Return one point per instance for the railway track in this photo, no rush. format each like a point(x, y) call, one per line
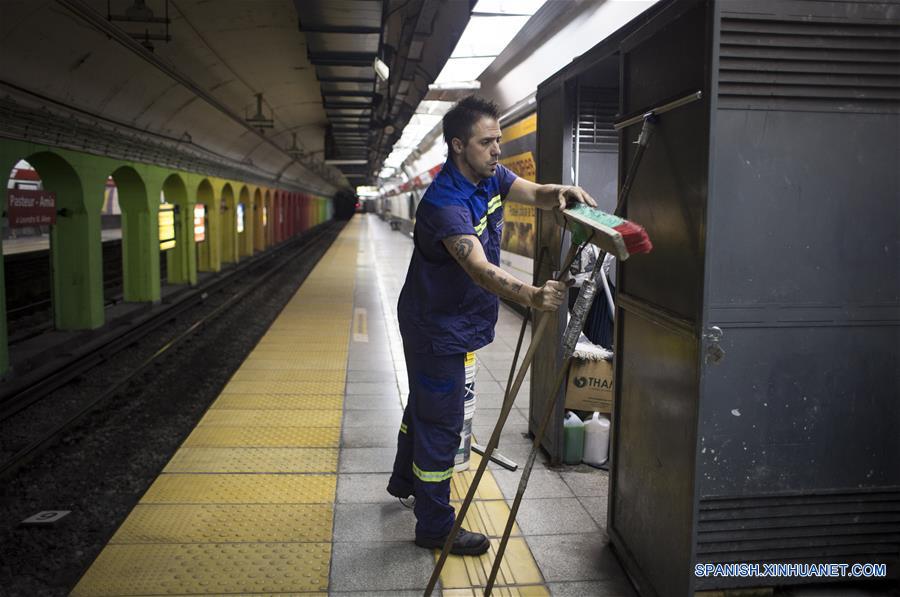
point(199, 307)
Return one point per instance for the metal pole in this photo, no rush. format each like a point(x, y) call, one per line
point(692, 97)
point(570, 338)
point(508, 400)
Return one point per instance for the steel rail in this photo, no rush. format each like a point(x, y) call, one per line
point(38, 445)
point(28, 392)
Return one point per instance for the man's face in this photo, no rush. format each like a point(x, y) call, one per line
point(482, 152)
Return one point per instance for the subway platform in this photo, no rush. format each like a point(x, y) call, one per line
point(281, 486)
point(29, 244)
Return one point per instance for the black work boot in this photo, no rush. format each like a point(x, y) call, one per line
point(465, 544)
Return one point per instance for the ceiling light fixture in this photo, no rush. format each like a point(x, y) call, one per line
point(294, 151)
point(381, 69)
point(141, 15)
point(259, 120)
point(455, 86)
point(346, 162)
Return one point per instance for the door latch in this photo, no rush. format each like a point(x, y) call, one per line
point(714, 352)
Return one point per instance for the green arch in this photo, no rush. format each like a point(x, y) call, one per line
point(140, 262)
point(181, 261)
point(259, 232)
point(245, 238)
point(75, 245)
point(208, 251)
point(228, 233)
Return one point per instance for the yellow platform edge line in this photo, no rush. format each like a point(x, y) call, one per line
point(519, 573)
point(179, 498)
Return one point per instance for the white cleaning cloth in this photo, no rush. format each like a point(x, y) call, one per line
point(587, 350)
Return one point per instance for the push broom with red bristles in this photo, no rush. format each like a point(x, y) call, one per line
point(613, 235)
point(617, 236)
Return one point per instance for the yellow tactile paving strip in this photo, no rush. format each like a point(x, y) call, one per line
point(246, 505)
point(241, 489)
point(264, 437)
point(463, 576)
point(207, 569)
point(284, 387)
point(278, 402)
point(229, 417)
point(226, 523)
point(253, 460)
point(336, 376)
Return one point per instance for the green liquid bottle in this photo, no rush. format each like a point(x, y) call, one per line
point(573, 439)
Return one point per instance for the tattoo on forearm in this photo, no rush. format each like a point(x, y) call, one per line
point(462, 248)
point(501, 283)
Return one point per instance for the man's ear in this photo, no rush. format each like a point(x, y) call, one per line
point(457, 145)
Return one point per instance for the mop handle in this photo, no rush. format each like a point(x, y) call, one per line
point(585, 298)
point(508, 401)
point(570, 338)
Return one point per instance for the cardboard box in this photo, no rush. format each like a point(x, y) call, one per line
point(590, 386)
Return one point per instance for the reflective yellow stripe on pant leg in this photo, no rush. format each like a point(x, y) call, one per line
point(432, 476)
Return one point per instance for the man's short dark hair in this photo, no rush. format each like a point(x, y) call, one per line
point(458, 122)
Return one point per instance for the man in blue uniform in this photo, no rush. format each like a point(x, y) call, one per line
point(449, 304)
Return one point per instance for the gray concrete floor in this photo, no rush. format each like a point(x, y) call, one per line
point(563, 515)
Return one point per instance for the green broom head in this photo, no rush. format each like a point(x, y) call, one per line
point(581, 232)
point(587, 220)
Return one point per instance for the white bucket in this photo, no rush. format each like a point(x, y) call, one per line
point(471, 368)
point(461, 461)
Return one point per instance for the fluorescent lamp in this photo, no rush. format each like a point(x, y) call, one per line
point(346, 162)
point(381, 69)
point(455, 86)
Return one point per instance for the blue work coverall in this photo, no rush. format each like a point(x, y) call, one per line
point(443, 315)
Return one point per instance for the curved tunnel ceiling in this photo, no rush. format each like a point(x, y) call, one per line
point(229, 49)
point(64, 61)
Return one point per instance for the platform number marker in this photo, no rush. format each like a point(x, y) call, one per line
point(360, 325)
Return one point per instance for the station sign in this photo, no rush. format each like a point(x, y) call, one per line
point(30, 208)
point(240, 218)
point(166, 226)
point(199, 223)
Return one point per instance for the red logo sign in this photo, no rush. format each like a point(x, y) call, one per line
point(30, 208)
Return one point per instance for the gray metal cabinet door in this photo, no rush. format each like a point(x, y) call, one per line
point(659, 306)
point(554, 164)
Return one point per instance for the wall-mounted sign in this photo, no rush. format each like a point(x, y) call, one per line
point(199, 223)
point(30, 208)
point(240, 217)
point(166, 226)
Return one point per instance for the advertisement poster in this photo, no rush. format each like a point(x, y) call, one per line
point(166, 227)
point(519, 220)
point(199, 223)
